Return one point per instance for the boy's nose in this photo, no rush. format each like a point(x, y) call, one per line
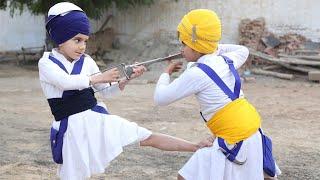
point(82, 47)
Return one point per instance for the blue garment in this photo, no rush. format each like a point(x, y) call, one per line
point(268, 160)
point(62, 28)
point(56, 136)
point(269, 165)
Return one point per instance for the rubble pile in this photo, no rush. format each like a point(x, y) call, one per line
point(291, 42)
point(286, 56)
point(250, 32)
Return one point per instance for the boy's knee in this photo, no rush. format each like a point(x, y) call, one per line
point(148, 141)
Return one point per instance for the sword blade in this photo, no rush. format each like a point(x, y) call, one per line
point(170, 57)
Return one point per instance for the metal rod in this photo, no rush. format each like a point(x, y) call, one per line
point(173, 56)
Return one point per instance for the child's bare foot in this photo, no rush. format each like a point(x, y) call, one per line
point(208, 142)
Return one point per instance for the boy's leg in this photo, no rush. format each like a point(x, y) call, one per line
point(169, 143)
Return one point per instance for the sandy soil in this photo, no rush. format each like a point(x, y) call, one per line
point(290, 111)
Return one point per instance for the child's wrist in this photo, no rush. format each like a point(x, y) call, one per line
point(92, 80)
point(95, 79)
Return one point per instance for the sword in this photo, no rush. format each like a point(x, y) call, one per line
point(128, 69)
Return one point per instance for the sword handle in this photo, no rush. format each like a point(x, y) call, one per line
point(128, 71)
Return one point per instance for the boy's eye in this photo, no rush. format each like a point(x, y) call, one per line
point(79, 40)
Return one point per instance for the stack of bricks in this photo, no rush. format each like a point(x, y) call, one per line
point(291, 42)
point(251, 31)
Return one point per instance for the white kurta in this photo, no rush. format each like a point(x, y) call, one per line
point(210, 163)
point(92, 139)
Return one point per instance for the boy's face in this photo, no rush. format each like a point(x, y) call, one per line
point(189, 54)
point(75, 47)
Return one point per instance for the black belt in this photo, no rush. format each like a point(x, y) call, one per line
point(79, 101)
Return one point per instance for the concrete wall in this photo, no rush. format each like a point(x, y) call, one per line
point(25, 30)
point(21, 30)
point(282, 16)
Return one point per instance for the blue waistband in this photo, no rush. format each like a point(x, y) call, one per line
point(77, 102)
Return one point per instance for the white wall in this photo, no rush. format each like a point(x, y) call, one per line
point(21, 30)
point(25, 30)
point(282, 16)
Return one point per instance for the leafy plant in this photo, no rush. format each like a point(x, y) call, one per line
point(93, 8)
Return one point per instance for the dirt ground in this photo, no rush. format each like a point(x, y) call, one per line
point(290, 111)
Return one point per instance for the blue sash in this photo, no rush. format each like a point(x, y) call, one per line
point(56, 136)
point(268, 160)
point(269, 166)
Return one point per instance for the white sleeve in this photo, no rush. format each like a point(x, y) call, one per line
point(52, 74)
point(186, 84)
point(107, 90)
point(237, 53)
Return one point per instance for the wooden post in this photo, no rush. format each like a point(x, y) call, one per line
point(314, 76)
point(271, 73)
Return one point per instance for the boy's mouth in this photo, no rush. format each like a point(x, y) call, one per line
point(79, 54)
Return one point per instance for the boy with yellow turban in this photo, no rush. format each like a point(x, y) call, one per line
point(240, 150)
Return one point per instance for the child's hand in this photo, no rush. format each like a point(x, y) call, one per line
point(123, 83)
point(138, 71)
point(111, 75)
point(208, 142)
point(173, 67)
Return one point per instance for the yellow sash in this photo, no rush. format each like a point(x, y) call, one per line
point(237, 121)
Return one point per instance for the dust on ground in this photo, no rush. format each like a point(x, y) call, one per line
point(290, 111)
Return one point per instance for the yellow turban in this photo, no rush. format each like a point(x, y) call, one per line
point(200, 29)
